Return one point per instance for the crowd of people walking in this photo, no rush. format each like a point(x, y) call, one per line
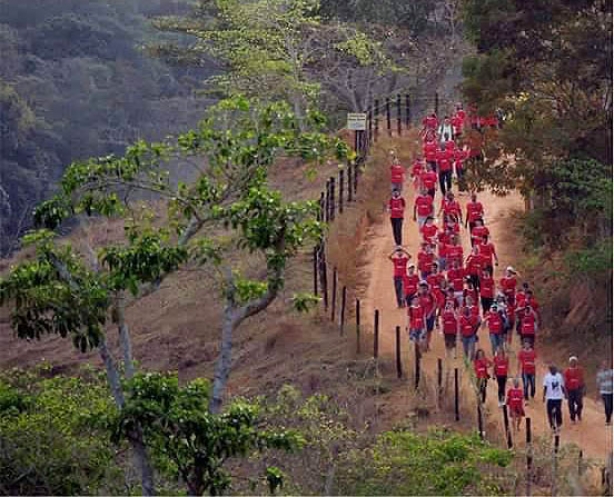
point(456, 294)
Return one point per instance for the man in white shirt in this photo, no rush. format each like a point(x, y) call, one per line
point(554, 393)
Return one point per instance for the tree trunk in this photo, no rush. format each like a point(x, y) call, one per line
point(124, 338)
point(222, 367)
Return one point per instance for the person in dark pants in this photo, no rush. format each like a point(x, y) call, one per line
point(399, 257)
point(605, 378)
point(501, 365)
point(480, 365)
point(526, 364)
point(396, 207)
point(554, 393)
point(574, 384)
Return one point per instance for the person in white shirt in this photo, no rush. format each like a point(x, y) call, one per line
point(554, 393)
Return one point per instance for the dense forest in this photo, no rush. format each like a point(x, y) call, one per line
point(75, 82)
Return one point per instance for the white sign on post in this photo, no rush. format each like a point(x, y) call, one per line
point(357, 121)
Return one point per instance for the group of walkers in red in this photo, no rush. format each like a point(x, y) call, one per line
point(443, 288)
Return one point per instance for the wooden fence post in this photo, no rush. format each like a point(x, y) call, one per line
point(324, 277)
point(529, 458)
point(356, 173)
point(315, 270)
point(342, 313)
point(334, 296)
point(580, 465)
point(341, 189)
point(456, 410)
point(350, 181)
point(506, 424)
point(399, 116)
point(407, 111)
point(332, 198)
point(437, 103)
point(399, 363)
point(439, 379)
point(376, 334)
point(370, 125)
point(480, 420)
point(388, 123)
point(418, 355)
point(327, 202)
point(357, 326)
point(376, 116)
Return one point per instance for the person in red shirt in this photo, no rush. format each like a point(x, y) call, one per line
point(528, 324)
point(474, 266)
point(399, 257)
point(450, 323)
point(410, 284)
point(456, 279)
point(471, 297)
point(508, 284)
point(423, 207)
point(488, 252)
point(416, 321)
point(396, 207)
point(500, 368)
point(457, 126)
point(429, 179)
point(468, 326)
point(429, 303)
point(430, 122)
point(532, 301)
point(451, 208)
point(444, 163)
point(494, 321)
point(481, 363)
point(515, 404)
point(526, 365)
point(460, 156)
point(443, 240)
point(397, 174)
point(574, 384)
point(429, 150)
point(416, 171)
point(426, 257)
point(454, 251)
point(429, 231)
point(487, 289)
point(475, 211)
point(479, 231)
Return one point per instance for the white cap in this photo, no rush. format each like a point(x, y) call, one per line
point(510, 268)
point(573, 358)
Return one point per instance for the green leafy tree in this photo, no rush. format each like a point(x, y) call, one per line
point(179, 428)
point(228, 207)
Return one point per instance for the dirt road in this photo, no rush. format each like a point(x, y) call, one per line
point(591, 434)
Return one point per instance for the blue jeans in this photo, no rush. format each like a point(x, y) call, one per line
point(528, 380)
point(469, 346)
point(496, 341)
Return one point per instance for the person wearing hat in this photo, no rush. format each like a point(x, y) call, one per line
point(574, 384)
point(399, 258)
point(508, 283)
point(554, 393)
point(396, 208)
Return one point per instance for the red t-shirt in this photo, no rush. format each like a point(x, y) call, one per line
point(428, 303)
point(494, 322)
point(410, 284)
point(416, 315)
point(435, 280)
point(429, 179)
point(443, 160)
point(508, 285)
point(501, 365)
point(515, 399)
point(424, 205)
point(429, 150)
point(450, 146)
point(461, 114)
point(456, 277)
point(450, 322)
point(468, 325)
point(425, 261)
point(474, 265)
point(454, 253)
point(574, 378)
point(487, 287)
point(397, 173)
point(527, 325)
point(400, 264)
point(430, 122)
point(527, 361)
point(521, 298)
point(417, 169)
point(475, 210)
point(459, 159)
point(457, 123)
point(481, 367)
point(478, 232)
point(429, 233)
point(397, 207)
point(487, 250)
point(450, 207)
point(474, 310)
